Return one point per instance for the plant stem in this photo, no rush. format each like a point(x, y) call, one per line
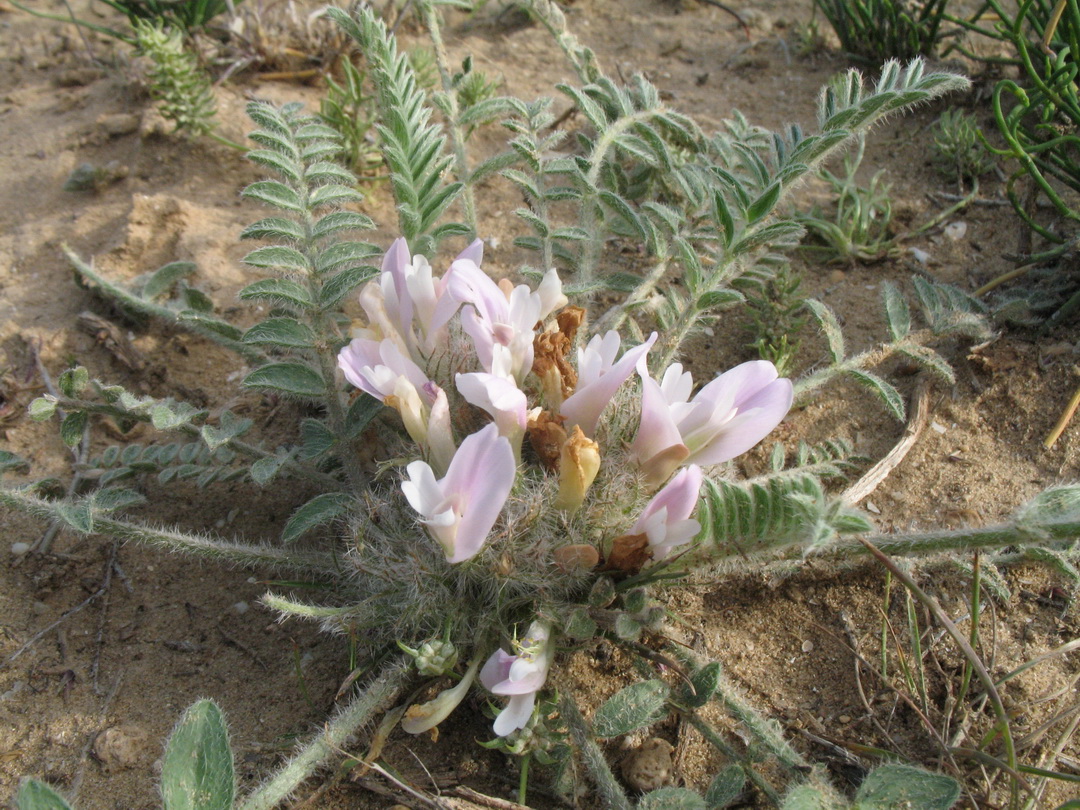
point(457, 137)
point(721, 745)
point(310, 563)
point(523, 781)
point(374, 699)
point(226, 141)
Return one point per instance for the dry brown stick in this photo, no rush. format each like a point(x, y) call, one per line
point(872, 478)
point(484, 800)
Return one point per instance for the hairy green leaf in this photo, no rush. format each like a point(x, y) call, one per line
point(35, 795)
point(293, 379)
point(637, 706)
point(162, 280)
point(319, 511)
point(197, 771)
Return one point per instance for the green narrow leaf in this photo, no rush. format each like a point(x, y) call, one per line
point(830, 327)
point(197, 770)
point(163, 279)
point(285, 332)
point(169, 415)
point(278, 291)
point(78, 515)
point(316, 438)
point(319, 511)
point(705, 681)
point(35, 795)
point(634, 707)
point(71, 429)
point(763, 205)
point(363, 409)
point(112, 499)
point(229, 427)
point(885, 391)
point(897, 787)
point(293, 379)
point(278, 257)
point(896, 311)
point(72, 381)
point(42, 409)
point(726, 787)
point(344, 282)
point(929, 360)
point(9, 461)
point(277, 195)
point(671, 798)
point(340, 221)
point(284, 230)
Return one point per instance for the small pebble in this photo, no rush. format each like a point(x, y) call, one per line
point(921, 256)
point(40, 608)
point(844, 718)
point(956, 230)
point(119, 124)
point(241, 608)
point(649, 767)
point(121, 747)
point(18, 549)
point(937, 427)
point(872, 507)
point(807, 646)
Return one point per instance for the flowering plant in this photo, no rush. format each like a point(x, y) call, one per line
point(542, 465)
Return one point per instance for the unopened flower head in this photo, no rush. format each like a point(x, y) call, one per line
point(666, 520)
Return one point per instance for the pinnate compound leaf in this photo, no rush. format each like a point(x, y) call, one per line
point(35, 795)
point(885, 391)
point(637, 706)
point(671, 798)
point(197, 771)
point(319, 511)
point(71, 429)
point(293, 379)
point(725, 788)
point(163, 279)
point(896, 787)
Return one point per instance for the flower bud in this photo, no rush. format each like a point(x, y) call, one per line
point(578, 465)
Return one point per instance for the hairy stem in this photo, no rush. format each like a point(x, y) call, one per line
point(379, 694)
point(457, 137)
point(309, 563)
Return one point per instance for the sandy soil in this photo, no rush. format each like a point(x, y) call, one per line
point(90, 686)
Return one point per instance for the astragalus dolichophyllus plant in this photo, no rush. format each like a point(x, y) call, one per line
point(544, 468)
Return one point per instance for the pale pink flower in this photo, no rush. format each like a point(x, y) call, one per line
point(723, 420)
point(403, 303)
point(498, 315)
point(666, 520)
point(519, 676)
point(460, 509)
point(501, 399)
point(599, 377)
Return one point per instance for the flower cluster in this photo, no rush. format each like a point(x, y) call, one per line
point(431, 346)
